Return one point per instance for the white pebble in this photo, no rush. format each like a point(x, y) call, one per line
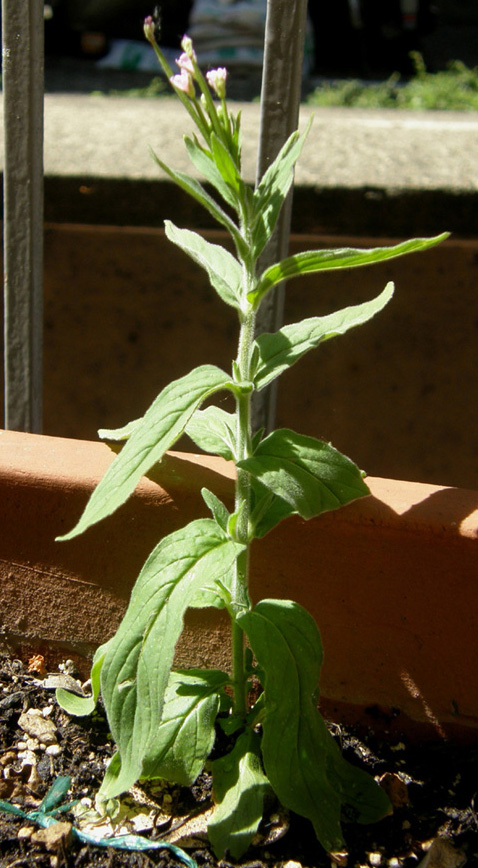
point(53, 750)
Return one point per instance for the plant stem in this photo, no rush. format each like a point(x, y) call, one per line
point(240, 589)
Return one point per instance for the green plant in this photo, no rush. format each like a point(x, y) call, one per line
point(452, 89)
point(164, 720)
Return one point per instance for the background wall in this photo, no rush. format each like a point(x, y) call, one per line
point(125, 313)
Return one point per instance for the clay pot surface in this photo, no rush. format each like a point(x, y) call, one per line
point(391, 579)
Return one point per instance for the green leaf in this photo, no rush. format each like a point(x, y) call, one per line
point(311, 261)
point(204, 163)
point(228, 169)
point(214, 430)
point(138, 660)
point(194, 189)
point(267, 509)
point(301, 759)
point(239, 787)
point(310, 475)
point(279, 351)
point(272, 190)
point(219, 511)
point(79, 706)
point(224, 271)
point(185, 736)
point(118, 435)
point(159, 428)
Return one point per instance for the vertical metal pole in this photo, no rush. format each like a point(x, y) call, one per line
point(280, 103)
point(23, 86)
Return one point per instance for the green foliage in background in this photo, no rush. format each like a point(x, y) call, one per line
point(453, 89)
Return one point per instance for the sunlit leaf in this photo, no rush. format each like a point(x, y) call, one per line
point(239, 787)
point(138, 661)
point(214, 430)
point(197, 191)
point(185, 736)
point(279, 351)
point(308, 474)
point(204, 163)
point(223, 270)
point(312, 261)
point(302, 761)
point(159, 428)
point(79, 706)
point(273, 188)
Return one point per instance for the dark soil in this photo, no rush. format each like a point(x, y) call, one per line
point(434, 787)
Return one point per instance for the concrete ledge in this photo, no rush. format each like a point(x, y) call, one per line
point(390, 579)
point(380, 172)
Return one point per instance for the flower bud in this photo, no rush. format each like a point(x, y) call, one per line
point(187, 46)
point(183, 82)
point(216, 79)
point(185, 63)
point(149, 28)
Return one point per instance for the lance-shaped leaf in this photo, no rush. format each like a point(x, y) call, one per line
point(308, 474)
point(138, 660)
point(301, 759)
point(272, 190)
point(219, 511)
point(239, 788)
point(197, 191)
point(214, 430)
point(186, 733)
point(79, 706)
point(159, 428)
point(204, 163)
point(223, 270)
point(279, 351)
point(312, 261)
point(228, 168)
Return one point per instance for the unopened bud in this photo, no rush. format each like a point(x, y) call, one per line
point(187, 46)
point(185, 63)
point(149, 28)
point(216, 79)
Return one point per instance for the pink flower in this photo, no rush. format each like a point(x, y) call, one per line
point(216, 79)
point(185, 63)
point(183, 82)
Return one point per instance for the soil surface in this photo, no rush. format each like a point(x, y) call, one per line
point(434, 788)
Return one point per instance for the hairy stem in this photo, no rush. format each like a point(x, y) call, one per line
point(240, 592)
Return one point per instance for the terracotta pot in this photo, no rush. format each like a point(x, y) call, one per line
point(391, 579)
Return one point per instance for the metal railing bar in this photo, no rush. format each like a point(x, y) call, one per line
point(280, 103)
point(23, 87)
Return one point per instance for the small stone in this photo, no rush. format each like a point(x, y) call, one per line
point(36, 726)
point(340, 858)
point(8, 758)
point(27, 758)
point(25, 833)
point(395, 788)
point(53, 750)
point(442, 854)
point(54, 837)
point(375, 858)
